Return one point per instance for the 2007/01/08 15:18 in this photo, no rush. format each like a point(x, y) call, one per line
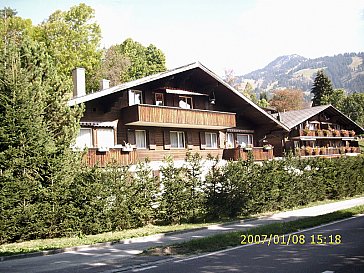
point(295, 239)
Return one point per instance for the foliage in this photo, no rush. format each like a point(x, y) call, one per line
point(193, 169)
point(322, 89)
point(114, 66)
point(174, 198)
point(353, 107)
point(144, 61)
point(37, 129)
point(73, 38)
point(116, 198)
point(287, 100)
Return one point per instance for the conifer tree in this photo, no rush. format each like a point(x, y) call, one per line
point(322, 89)
point(36, 131)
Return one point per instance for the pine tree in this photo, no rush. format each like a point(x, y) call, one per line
point(322, 89)
point(36, 131)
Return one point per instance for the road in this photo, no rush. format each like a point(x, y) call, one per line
point(346, 256)
point(124, 256)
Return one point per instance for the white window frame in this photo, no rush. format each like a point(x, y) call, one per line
point(159, 102)
point(108, 144)
point(132, 97)
point(181, 140)
point(144, 140)
point(184, 100)
point(209, 137)
point(230, 140)
point(89, 145)
point(250, 139)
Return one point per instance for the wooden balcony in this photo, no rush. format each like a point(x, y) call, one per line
point(117, 156)
point(164, 116)
point(324, 133)
point(259, 154)
point(327, 151)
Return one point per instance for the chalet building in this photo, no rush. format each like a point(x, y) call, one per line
point(316, 131)
point(186, 109)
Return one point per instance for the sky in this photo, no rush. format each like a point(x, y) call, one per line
point(238, 35)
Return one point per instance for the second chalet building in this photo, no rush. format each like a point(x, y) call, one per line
point(186, 109)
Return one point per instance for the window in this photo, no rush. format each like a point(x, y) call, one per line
point(135, 97)
point(140, 139)
point(244, 140)
point(211, 140)
point(105, 137)
point(230, 140)
point(185, 102)
point(84, 138)
point(159, 99)
point(177, 139)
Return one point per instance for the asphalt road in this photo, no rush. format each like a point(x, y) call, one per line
point(122, 257)
point(347, 255)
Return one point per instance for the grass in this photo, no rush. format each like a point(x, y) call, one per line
point(59, 243)
point(231, 239)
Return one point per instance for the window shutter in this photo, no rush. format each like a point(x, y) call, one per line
point(151, 139)
point(222, 140)
point(166, 140)
point(202, 141)
point(131, 136)
point(189, 140)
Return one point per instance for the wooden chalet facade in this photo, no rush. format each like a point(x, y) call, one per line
point(317, 131)
point(186, 109)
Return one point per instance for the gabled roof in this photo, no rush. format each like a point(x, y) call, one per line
point(295, 117)
point(196, 65)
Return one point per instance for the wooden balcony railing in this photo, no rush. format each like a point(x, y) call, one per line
point(93, 157)
point(152, 115)
point(259, 154)
point(326, 151)
point(325, 133)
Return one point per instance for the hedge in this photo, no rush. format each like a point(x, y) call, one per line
point(113, 198)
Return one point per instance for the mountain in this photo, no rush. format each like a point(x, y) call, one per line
point(346, 71)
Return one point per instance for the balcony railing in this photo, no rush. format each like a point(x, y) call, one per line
point(326, 151)
point(258, 153)
point(326, 133)
point(152, 115)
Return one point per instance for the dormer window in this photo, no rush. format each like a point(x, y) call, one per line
point(185, 102)
point(135, 97)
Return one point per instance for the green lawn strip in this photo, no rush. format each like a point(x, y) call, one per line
point(231, 239)
point(59, 243)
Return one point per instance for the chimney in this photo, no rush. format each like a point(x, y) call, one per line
point(79, 83)
point(104, 84)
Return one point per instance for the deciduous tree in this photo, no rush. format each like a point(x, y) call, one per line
point(287, 99)
point(73, 39)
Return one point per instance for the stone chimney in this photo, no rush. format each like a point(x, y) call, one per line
point(104, 84)
point(79, 82)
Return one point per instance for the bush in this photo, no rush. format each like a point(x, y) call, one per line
point(114, 198)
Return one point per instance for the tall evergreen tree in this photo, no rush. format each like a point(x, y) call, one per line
point(322, 89)
point(36, 131)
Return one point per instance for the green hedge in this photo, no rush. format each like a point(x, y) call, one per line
point(113, 198)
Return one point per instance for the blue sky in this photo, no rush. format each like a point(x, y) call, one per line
point(230, 34)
